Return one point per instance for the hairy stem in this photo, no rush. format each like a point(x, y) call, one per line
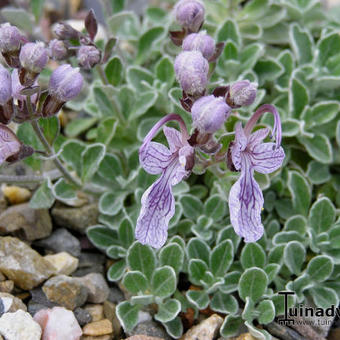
point(53, 174)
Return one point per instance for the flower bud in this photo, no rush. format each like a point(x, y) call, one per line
point(209, 113)
point(190, 14)
point(192, 72)
point(10, 43)
point(5, 85)
point(242, 93)
point(65, 31)
point(200, 42)
point(65, 84)
point(33, 57)
point(57, 49)
point(6, 103)
point(88, 56)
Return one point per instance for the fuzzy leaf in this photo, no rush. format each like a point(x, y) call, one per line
point(163, 281)
point(168, 310)
point(324, 297)
point(294, 256)
point(221, 258)
point(321, 215)
point(300, 191)
point(253, 284)
point(198, 249)
point(127, 315)
point(135, 282)
point(224, 303)
point(91, 158)
point(320, 268)
point(253, 256)
point(199, 298)
point(173, 256)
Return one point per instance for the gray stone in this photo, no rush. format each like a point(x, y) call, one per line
point(39, 301)
point(15, 303)
point(116, 295)
point(23, 265)
point(98, 290)
point(87, 260)
point(75, 218)
point(26, 223)
point(66, 291)
point(83, 316)
point(61, 240)
point(150, 328)
point(84, 271)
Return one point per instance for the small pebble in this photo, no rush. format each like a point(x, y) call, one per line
point(19, 325)
point(98, 290)
point(66, 291)
point(58, 323)
point(63, 262)
point(16, 195)
point(101, 337)
point(15, 305)
point(83, 316)
point(110, 313)
point(143, 337)
point(97, 328)
point(96, 312)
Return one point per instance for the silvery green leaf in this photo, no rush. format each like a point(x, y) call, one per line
point(231, 325)
point(127, 315)
point(320, 268)
point(249, 55)
point(142, 258)
point(253, 284)
point(302, 43)
point(101, 236)
point(135, 282)
point(298, 97)
point(221, 258)
point(272, 269)
point(90, 160)
point(318, 147)
point(228, 233)
point(116, 271)
point(318, 173)
point(290, 127)
point(321, 215)
point(229, 31)
point(324, 297)
point(71, 154)
point(139, 78)
point(294, 256)
point(199, 298)
point(163, 282)
point(230, 282)
point(114, 71)
point(111, 203)
point(328, 46)
point(172, 255)
point(296, 223)
point(124, 25)
point(268, 70)
point(174, 327)
point(197, 269)
point(43, 197)
point(259, 334)
point(165, 71)
point(300, 191)
point(198, 249)
point(126, 232)
point(224, 303)
point(215, 207)
point(286, 236)
point(144, 300)
point(168, 310)
point(116, 252)
point(192, 206)
point(276, 254)
point(252, 255)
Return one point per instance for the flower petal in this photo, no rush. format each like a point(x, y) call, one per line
point(266, 158)
point(238, 146)
point(9, 143)
point(245, 205)
point(154, 157)
point(174, 138)
point(257, 137)
point(158, 206)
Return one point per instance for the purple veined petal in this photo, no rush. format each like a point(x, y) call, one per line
point(245, 204)
point(238, 146)
point(154, 157)
point(158, 207)
point(257, 137)
point(266, 158)
point(174, 138)
point(186, 163)
point(9, 143)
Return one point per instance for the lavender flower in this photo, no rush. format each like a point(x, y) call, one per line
point(242, 93)
point(6, 102)
point(249, 154)
point(201, 42)
point(209, 113)
point(33, 57)
point(5, 85)
point(175, 163)
point(17, 88)
point(192, 72)
point(190, 14)
point(10, 44)
point(88, 56)
point(57, 49)
point(65, 84)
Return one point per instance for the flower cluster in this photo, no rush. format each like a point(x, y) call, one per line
point(247, 153)
point(21, 98)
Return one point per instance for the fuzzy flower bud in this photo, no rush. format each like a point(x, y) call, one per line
point(57, 49)
point(5, 85)
point(88, 56)
point(192, 72)
point(65, 84)
point(242, 93)
point(65, 31)
point(33, 57)
point(209, 113)
point(17, 88)
point(10, 38)
point(200, 42)
point(190, 14)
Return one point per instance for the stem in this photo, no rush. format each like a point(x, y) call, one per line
point(50, 152)
point(53, 174)
point(102, 74)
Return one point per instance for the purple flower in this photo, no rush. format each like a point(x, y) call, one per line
point(192, 72)
point(88, 56)
point(57, 49)
point(173, 163)
point(5, 85)
point(249, 154)
point(17, 87)
point(209, 113)
point(190, 14)
point(242, 93)
point(33, 57)
point(200, 42)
